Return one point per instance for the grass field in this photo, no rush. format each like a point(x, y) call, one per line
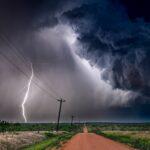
point(54, 141)
point(17, 140)
point(13, 127)
point(10, 127)
point(131, 138)
point(34, 136)
point(120, 126)
point(42, 136)
point(135, 135)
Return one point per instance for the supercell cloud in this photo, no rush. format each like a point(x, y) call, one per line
point(95, 54)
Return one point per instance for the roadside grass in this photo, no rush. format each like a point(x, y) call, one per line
point(136, 142)
point(120, 126)
point(51, 142)
point(55, 140)
point(31, 136)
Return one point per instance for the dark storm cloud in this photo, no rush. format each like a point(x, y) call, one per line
point(21, 43)
point(114, 34)
point(29, 13)
point(30, 33)
point(21, 15)
point(105, 29)
point(136, 8)
point(40, 31)
point(21, 19)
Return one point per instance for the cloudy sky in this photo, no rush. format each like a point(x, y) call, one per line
point(93, 53)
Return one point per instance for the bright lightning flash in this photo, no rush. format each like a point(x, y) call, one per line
point(27, 94)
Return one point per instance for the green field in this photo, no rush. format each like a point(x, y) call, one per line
point(134, 135)
point(52, 141)
point(35, 136)
point(10, 127)
point(120, 126)
point(55, 140)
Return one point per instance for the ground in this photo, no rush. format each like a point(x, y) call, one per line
point(91, 141)
point(136, 134)
point(19, 139)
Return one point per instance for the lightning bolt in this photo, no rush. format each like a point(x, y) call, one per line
point(27, 94)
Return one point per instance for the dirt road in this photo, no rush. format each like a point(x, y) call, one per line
point(91, 141)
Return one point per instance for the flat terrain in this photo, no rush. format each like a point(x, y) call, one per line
point(91, 141)
point(136, 134)
point(17, 136)
point(19, 139)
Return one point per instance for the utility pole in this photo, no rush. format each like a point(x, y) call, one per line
point(59, 112)
point(72, 117)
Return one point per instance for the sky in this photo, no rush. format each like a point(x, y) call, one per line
point(92, 53)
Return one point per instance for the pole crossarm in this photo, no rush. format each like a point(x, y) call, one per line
point(61, 100)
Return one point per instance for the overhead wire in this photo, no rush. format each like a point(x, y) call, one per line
point(26, 75)
point(4, 38)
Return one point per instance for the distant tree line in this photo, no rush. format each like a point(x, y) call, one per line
point(11, 127)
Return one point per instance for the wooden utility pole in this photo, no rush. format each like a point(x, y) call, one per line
point(72, 117)
point(59, 112)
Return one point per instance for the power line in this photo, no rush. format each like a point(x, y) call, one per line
point(16, 51)
point(12, 63)
point(11, 44)
point(51, 89)
point(3, 37)
point(21, 54)
point(24, 60)
point(26, 75)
